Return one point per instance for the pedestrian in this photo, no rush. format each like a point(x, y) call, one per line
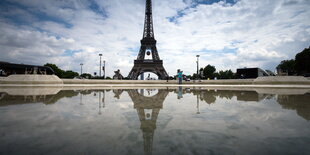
point(180, 76)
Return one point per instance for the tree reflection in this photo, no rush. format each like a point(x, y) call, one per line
point(209, 96)
point(294, 102)
point(300, 103)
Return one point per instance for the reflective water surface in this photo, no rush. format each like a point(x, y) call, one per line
point(154, 121)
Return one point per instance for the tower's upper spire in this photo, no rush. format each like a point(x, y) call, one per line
point(148, 23)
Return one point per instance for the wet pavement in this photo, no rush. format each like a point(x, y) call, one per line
point(175, 120)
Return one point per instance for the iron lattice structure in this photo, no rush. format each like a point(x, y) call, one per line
point(148, 46)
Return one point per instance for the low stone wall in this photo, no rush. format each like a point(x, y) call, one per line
point(31, 79)
point(54, 80)
point(86, 81)
point(280, 80)
point(48, 90)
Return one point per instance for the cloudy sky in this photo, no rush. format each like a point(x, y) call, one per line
point(226, 33)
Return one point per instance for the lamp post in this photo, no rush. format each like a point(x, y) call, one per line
point(81, 68)
point(104, 69)
point(100, 65)
point(197, 66)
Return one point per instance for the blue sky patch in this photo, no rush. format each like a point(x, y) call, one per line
point(174, 18)
point(69, 52)
point(8, 8)
point(210, 2)
point(229, 50)
point(223, 51)
point(96, 8)
point(195, 3)
point(44, 17)
point(236, 42)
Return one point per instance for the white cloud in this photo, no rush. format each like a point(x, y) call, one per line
point(262, 33)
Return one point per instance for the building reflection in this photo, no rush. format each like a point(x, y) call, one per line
point(148, 108)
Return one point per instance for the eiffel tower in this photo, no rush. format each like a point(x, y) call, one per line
point(148, 47)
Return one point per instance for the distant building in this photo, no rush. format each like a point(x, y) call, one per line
point(251, 73)
point(7, 69)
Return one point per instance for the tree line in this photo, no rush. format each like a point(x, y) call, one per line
point(69, 74)
point(298, 66)
point(209, 72)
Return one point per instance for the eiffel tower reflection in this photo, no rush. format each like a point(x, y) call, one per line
point(148, 109)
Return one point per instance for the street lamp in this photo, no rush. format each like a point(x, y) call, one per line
point(81, 68)
point(100, 65)
point(104, 69)
point(197, 65)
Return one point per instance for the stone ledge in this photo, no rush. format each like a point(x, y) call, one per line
point(86, 81)
point(281, 80)
point(31, 79)
point(261, 89)
point(54, 80)
point(276, 80)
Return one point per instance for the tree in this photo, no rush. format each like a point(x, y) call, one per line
point(70, 74)
point(302, 62)
point(57, 70)
point(86, 75)
point(194, 76)
point(208, 71)
point(217, 75)
point(61, 73)
point(189, 76)
point(288, 66)
point(228, 74)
